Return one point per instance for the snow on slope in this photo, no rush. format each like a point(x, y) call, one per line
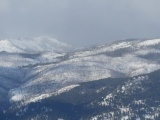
point(114, 60)
point(15, 60)
point(33, 45)
point(15, 54)
point(132, 44)
point(40, 96)
point(149, 42)
point(6, 45)
point(40, 44)
point(23, 52)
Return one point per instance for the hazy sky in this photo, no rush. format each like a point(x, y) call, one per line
point(80, 22)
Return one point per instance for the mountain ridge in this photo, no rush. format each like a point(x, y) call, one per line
point(33, 45)
point(27, 78)
point(99, 63)
point(110, 98)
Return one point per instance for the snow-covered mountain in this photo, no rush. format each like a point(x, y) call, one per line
point(33, 45)
point(36, 69)
point(130, 98)
point(15, 54)
point(119, 59)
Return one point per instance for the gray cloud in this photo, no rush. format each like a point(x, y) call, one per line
point(80, 22)
point(4, 6)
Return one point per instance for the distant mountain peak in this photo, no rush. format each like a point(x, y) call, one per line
point(33, 45)
point(6, 45)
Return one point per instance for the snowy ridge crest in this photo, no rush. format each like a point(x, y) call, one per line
point(33, 45)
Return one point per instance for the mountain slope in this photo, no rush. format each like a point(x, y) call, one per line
point(14, 54)
point(33, 45)
point(120, 59)
point(112, 98)
point(6, 45)
point(32, 72)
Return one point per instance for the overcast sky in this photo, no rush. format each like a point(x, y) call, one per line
point(80, 22)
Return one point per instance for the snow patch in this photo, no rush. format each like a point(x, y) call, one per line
point(66, 89)
point(17, 96)
point(149, 42)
